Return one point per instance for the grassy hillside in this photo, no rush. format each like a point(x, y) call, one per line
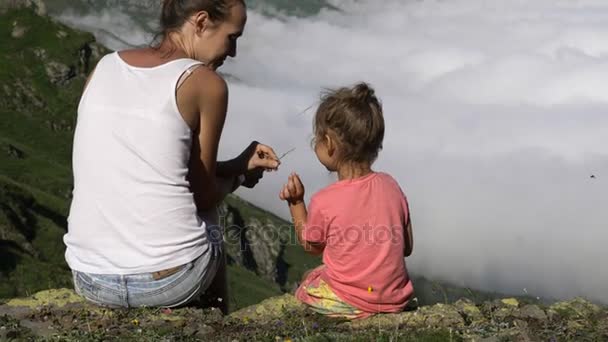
point(35, 142)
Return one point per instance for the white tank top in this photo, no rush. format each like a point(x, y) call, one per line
point(132, 209)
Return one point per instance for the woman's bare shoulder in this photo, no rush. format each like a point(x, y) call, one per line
point(206, 82)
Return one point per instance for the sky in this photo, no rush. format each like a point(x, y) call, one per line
point(496, 114)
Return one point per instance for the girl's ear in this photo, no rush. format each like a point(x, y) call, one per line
point(331, 145)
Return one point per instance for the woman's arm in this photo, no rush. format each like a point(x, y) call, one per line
point(212, 104)
point(231, 168)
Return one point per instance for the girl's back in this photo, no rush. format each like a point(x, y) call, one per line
point(362, 223)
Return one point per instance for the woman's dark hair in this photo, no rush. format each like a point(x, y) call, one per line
point(354, 116)
point(174, 13)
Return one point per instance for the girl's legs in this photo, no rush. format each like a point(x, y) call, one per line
point(319, 297)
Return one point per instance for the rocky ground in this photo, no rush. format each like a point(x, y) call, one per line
point(63, 315)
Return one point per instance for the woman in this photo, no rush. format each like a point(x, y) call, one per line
point(145, 170)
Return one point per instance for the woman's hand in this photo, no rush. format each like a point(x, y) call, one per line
point(293, 191)
point(260, 156)
point(253, 161)
point(253, 177)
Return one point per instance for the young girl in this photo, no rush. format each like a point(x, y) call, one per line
point(361, 223)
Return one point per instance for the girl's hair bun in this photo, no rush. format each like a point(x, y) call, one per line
point(354, 116)
point(363, 92)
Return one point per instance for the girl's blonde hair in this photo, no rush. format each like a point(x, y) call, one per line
point(353, 116)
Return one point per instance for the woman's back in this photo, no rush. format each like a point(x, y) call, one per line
point(131, 153)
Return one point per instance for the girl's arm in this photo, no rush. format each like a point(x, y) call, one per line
point(293, 193)
point(298, 215)
point(408, 237)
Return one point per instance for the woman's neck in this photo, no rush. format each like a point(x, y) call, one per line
point(173, 47)
point(353, 170)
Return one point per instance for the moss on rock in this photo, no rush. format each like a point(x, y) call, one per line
point(510, 302)
point(56, 298)
point(269, 309)
point(573, 309)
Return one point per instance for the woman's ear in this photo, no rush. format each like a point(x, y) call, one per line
point(201, 21)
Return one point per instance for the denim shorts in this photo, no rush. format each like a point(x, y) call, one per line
point(187, 284)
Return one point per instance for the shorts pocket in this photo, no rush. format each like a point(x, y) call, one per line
point(86, 286)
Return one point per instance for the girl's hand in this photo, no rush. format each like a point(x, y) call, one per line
point(293, 191)
point(261, 156)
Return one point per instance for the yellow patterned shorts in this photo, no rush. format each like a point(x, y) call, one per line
point(317, 294)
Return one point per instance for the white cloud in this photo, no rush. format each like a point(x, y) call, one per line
point(496, 115)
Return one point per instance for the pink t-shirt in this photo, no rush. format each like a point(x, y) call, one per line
point(362, 222)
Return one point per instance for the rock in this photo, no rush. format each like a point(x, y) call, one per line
point(436, 316)
point(251, 243)
point(577, 308)
point(59, 126)
point(532, 312)
point(18, 31)
point(14, 152)
point(574, 326)
point(52, 312)
point(510, 302)
point(42, 329)
point(37, 5)
point(97, 50)
point(21, 97)
point(386, 321)
point(40, 53)
point(469, 311)
point(213, 315)
point(501, 310)
point(57, 298)
point(442, 315)
point(264, 241)
point(59, 73)
point(200, 332)
point(25, 96)
point(44, 301)
point(61, 34)
point(269, 309)
point(511, 334)
point(518, 323)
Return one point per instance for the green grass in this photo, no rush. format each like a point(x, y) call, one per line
point(247, 288)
